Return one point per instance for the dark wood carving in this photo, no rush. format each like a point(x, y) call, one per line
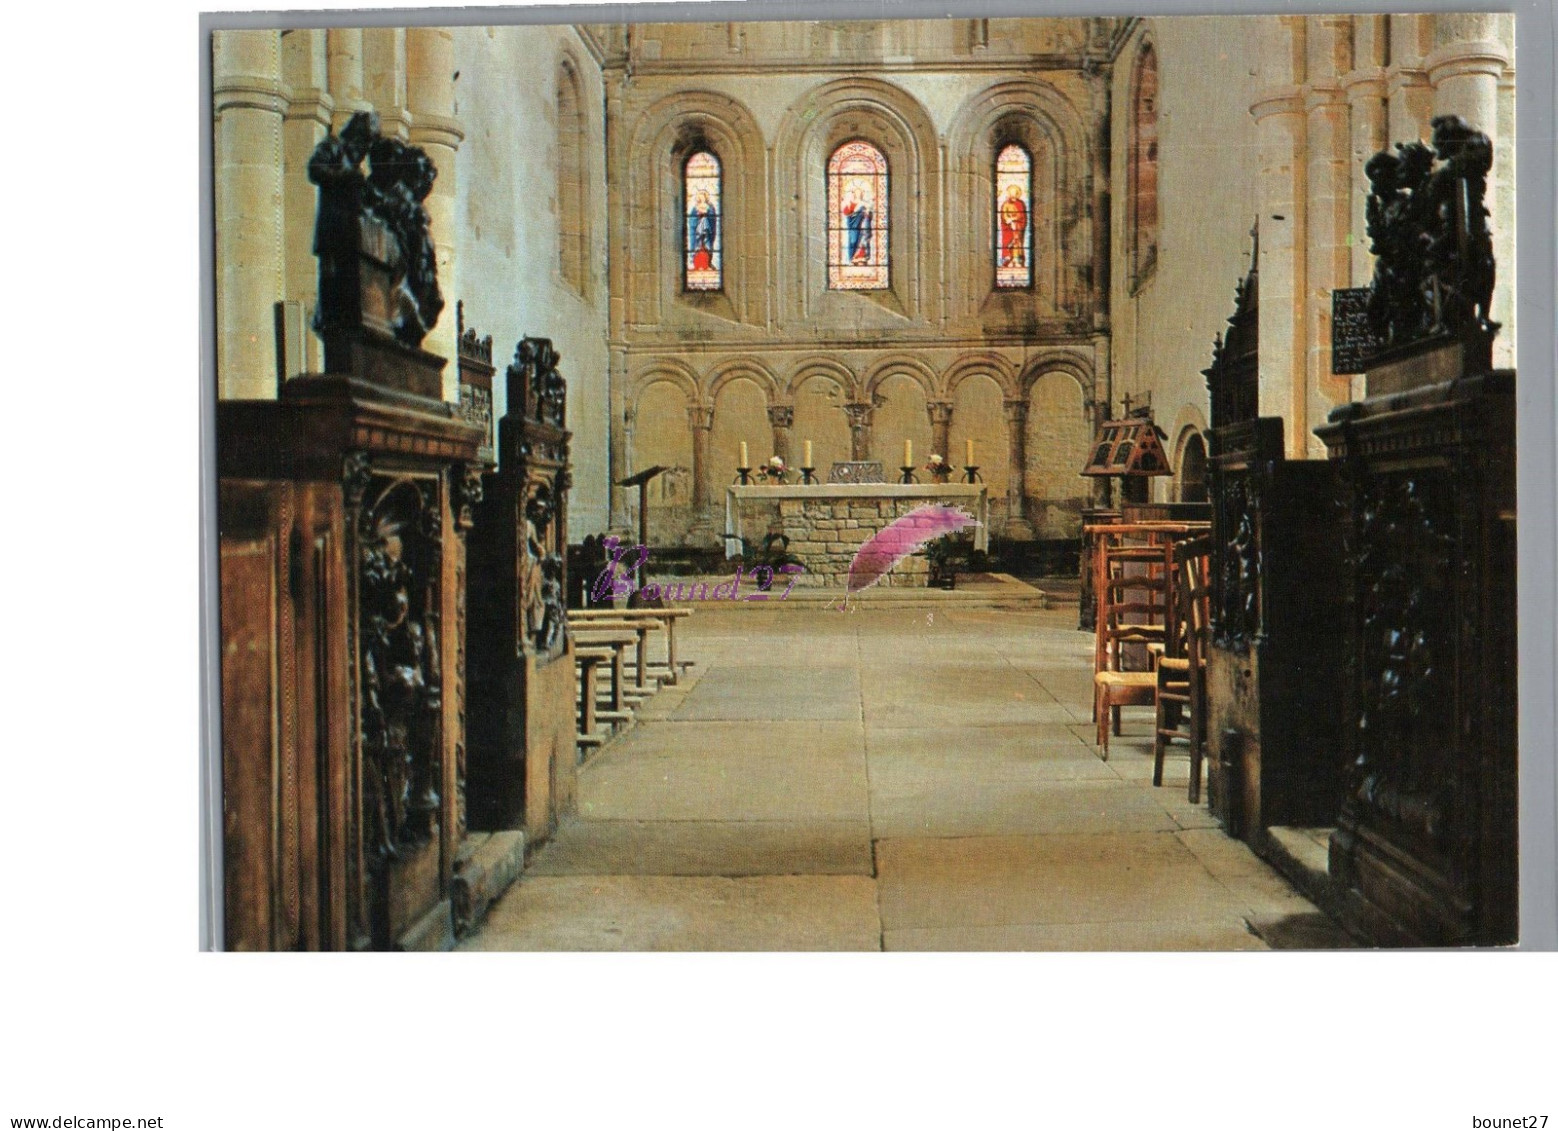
point(522, 723)
point(378, 279)
point(1433, 267)
point(1425, 848)
point(1275, 563)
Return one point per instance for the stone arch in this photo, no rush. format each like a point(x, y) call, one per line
point(1043, 121)
point(910, 366)
point(987, 364)
point(1189, 423)
point(1079, 369)
point(894, 121)
point(571, 200)
point(1058, 436)
point(660, 140)
point(739, 367)
point(666, 369)
point(850, 386)
point(1142, 116)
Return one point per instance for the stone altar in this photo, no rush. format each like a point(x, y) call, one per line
point(826, 523)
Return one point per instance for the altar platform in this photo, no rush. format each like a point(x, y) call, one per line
point(826, 523)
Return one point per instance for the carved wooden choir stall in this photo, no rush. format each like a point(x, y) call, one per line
point(1425, 850)
point(522, 752)
point(343, 507)
point(1275, 651)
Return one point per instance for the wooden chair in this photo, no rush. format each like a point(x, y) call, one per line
point(1181, 676)
point(1132, 589)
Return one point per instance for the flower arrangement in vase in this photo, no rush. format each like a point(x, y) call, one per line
point(939, 468)
point(775, 471)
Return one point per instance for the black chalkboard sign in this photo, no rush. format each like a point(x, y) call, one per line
point(1352, 338)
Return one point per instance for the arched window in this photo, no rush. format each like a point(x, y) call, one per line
point(704, 230)
point(572, 209)
point(857, 218)
point(1013, 218)
point(1142, 202)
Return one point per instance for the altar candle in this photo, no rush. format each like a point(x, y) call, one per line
point(744, 462)
point(807, 461)
point(969, 447)
point(908, 453)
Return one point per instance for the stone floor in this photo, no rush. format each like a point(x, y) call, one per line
point(890, 778)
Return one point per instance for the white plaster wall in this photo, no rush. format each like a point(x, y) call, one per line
point(509, 276)
point(1207, 200)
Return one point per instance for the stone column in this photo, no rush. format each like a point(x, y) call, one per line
point(617, 519)
point(1467, 70)
point(1280, 138)
point(1408, 95)
point(248, 103)
point(384, 78)
point(940, 413)
point(1328, 210)
point(1366, 109)
point(782, 418)
point(701, 418)
point(859, 414)
point(343, 49)
point(307, 121)
point(1016, 464)
point(430, 100)
point(1465, 67)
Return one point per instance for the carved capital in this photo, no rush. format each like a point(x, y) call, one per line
point(940, 412)
point(1016, 411)
point(701, 416)
point(859, 414)
point(781, 415)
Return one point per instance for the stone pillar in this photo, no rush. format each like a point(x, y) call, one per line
point(1280, 139)
point(384, 78)
point(1365, 87)
point(307, 121)
point(782, 418)
point(1465, 67)
point(940, 413)
point(1366, 109)
point(1328, 185)
point(1467, 70)
point(248, 103)
point(859, 414)
point(617, 519)
point(1408, 95)
point(1016, 464)
point(343, 49)
point(430, 100)
point(701, 418)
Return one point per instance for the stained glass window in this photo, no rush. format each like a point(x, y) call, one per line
point(705, 230)
point(1013, 218)
point(857, 218)
point(1143, 169)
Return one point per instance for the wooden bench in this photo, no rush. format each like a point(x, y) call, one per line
point(583, 618)
point(590, 654)
point(586, 631)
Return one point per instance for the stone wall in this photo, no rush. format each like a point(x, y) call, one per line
point(828, 532)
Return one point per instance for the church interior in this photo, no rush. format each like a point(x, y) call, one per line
point(565, 375)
